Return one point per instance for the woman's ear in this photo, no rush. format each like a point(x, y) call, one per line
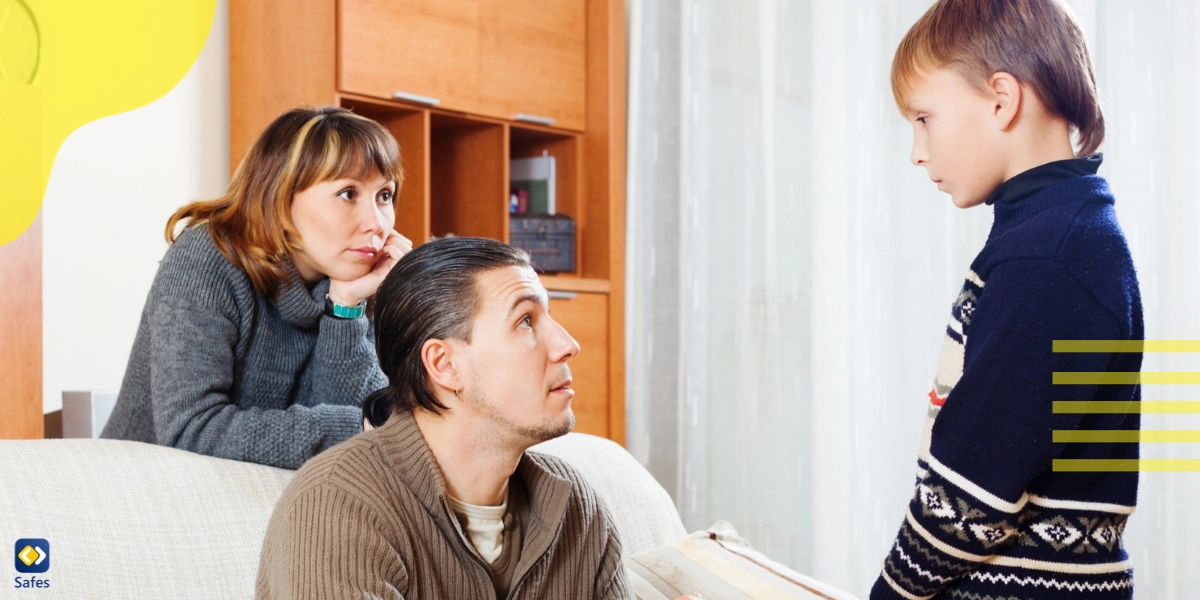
point(437, 356)
point(1007, 94)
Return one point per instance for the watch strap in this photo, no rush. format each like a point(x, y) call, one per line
point(342, 311)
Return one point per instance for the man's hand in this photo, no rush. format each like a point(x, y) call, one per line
point(350, 293)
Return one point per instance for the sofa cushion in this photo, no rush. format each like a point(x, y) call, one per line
point(719, 564)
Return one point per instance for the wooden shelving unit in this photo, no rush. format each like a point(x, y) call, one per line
point(489, 65)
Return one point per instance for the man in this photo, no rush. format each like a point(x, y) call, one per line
point(441, 499)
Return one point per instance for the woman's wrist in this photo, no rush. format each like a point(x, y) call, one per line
point(344, 300)
point(342, 296)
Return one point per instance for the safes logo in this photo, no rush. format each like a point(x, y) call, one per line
point(33, 555)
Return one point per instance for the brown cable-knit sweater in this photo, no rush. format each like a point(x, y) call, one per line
point(369, 519)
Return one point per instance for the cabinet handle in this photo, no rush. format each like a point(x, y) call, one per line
point(558, 295)
point(416, 98)
point(534, 119)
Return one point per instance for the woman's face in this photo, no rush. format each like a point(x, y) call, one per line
point(342, 226)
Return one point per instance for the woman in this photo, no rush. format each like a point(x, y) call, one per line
point(254, 344)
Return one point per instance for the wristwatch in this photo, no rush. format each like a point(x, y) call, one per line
point(342, 311)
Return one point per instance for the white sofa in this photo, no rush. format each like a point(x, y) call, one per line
point(133, 520)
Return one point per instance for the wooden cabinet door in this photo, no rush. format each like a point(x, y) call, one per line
point(424, 47)
point(533, 59)
point(585, 317)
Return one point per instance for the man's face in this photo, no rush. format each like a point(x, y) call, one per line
point(516, 382)
point(955, 136)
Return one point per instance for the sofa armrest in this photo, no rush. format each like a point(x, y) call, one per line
point(645, 514)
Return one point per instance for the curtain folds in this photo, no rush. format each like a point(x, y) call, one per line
point(790, 271)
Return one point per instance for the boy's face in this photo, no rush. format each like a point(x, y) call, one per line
point(955, 136)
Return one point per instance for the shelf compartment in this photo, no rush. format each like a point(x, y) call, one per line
point(529, 142)
point(468, 191)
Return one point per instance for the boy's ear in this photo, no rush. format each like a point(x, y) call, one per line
point(437, 356)
point(1006, 91)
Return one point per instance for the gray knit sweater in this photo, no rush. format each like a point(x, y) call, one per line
point(217, 368)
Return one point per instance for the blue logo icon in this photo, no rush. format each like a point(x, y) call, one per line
point(32, 555)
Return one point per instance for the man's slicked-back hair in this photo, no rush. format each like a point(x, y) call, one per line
point(431, 293)
point(1039, 42)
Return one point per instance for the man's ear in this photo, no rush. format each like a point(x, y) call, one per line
point(1007, 95)
point(437, 356)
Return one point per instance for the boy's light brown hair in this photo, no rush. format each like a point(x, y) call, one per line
point(1039, 42)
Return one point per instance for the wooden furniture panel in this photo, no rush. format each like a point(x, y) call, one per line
point(424, 47)
point(585, 317)
point(282, 54)
point(21, 335)
point(533, 60)
point(604, 154)
point(468, 178)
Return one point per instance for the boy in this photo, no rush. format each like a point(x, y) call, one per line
point(994, 90)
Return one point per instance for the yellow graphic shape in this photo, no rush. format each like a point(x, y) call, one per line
point(1125, 378)
point(1145, 465)
point(1109, 346)
point(19, 42)
point(1124, 436)
point(28, 555)
point(1109, 407)
point(65, 63)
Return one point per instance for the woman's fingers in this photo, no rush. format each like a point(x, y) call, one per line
point(398, 242)
point(394, 248)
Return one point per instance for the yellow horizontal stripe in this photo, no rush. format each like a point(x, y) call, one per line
point(1145, 465)
point(1109, 407)
point(1127, 346)
point(1118, 436)
point(1125, 378)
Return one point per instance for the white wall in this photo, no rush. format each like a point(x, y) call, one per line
point(113, 186)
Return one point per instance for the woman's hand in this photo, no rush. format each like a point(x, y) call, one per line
point(350, 293)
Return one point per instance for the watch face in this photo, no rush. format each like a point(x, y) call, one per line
point(20, 44)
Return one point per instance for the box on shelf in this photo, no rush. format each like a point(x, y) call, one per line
point(549, 240)
point(536, 176)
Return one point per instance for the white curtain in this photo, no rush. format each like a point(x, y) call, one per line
point(790, 272)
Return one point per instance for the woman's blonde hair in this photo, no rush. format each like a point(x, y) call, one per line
point(1037, 41)
point(251, 224)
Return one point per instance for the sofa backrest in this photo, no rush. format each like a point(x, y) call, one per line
point(133, 520)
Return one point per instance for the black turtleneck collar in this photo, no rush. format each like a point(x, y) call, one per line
point(1032, 181)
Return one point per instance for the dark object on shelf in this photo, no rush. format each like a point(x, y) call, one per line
point(549, 240)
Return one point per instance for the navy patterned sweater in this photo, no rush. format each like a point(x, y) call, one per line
point(991, 519)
